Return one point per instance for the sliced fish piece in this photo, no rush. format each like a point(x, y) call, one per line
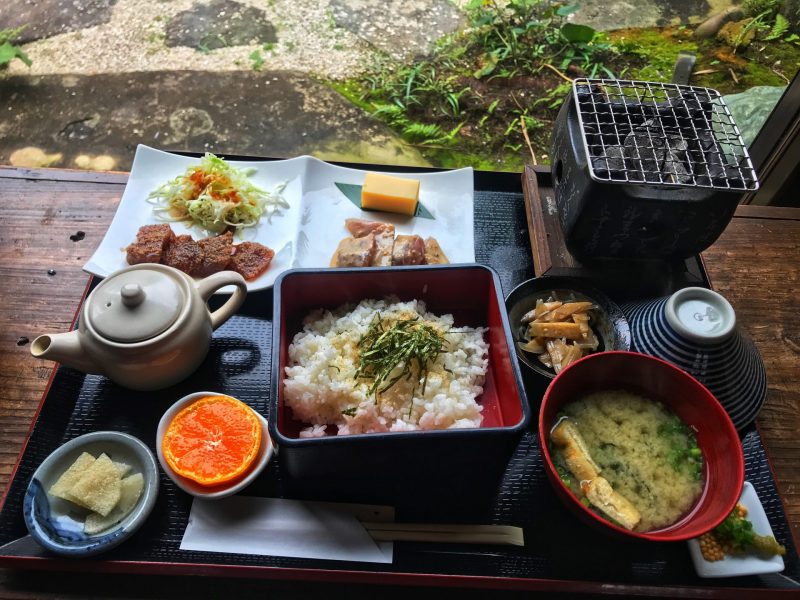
point(355, 252)
point(408, 250)
point(434, 255)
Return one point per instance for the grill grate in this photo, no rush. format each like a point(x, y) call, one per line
point(661, 133)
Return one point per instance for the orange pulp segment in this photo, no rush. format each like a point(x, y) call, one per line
point(213, 440)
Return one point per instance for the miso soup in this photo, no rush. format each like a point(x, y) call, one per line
point(647, 455)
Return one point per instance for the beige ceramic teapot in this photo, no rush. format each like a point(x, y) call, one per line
point(145, 327)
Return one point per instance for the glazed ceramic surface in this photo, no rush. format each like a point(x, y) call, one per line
point(145, 327)
point(57, 524)
point(608, 321)
point(695, 329)
point(265, 452)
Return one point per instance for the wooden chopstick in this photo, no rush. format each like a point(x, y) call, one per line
point(460, 534)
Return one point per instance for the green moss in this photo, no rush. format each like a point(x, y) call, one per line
point(352, 91)
point(451, 158)
point(650, 55)
point(656, 50)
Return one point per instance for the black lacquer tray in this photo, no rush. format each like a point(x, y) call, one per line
point(560, 553)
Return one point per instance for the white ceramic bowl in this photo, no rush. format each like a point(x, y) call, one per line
point(57, 524)
point(191, 487)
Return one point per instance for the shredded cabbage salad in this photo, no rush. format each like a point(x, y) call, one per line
point(214, 195)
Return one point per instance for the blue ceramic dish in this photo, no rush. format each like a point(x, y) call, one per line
point(695, 329)
point(57, 524)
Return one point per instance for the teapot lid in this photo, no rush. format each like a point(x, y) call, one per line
point(135, 304)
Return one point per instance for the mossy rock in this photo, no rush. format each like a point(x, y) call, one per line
point(737, 34)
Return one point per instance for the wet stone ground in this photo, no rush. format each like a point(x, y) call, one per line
point(254, 113)
point(228, 76)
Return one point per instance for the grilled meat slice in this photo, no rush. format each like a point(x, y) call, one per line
point(184, 254)
point(408, 250)
point(251, 259)
point(151, 242)
point(355, 252)
point(434, 255)
point(217, 253)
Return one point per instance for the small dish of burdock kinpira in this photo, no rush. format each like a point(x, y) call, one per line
point(91, 494)
point(559, 320)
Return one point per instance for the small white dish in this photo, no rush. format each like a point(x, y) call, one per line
point(734, 566)
point(265, 452)
point(57, 524)
point(307, 233)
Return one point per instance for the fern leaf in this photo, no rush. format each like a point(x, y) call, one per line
point(780, 27)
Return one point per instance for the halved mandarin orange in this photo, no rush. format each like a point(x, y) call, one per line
point(213, 440)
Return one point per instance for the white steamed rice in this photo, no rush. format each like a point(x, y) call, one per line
point(324, 357)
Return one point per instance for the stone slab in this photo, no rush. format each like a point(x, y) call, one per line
point(605, 15)
point(45, 18)
point(401, 28)
point(99, 120)
point(220, 24)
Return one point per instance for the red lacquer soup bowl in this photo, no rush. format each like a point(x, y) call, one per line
point(723, 461)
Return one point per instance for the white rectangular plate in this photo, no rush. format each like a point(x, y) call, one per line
point(307, 233)
point(733, 566)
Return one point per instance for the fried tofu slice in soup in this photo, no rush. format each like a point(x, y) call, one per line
point(576, 453)
point(602, 495)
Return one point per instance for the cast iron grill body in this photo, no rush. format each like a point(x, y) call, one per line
point(646, 170)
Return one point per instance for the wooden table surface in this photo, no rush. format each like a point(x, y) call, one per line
point(52, 220)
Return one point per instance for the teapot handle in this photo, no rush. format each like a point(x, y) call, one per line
point(212, 283)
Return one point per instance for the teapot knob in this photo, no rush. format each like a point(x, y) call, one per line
point(132, 295)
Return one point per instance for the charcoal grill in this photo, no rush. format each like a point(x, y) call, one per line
point(646, 170)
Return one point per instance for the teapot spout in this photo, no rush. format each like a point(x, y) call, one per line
point(66, 349)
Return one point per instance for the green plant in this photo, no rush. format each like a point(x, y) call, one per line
point(256, 60)
point(517, 36)
point(211, 42)
point(766, 22)
point(9, 51)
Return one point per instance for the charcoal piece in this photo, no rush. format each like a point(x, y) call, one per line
point(612, 166)
point(644, 151)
